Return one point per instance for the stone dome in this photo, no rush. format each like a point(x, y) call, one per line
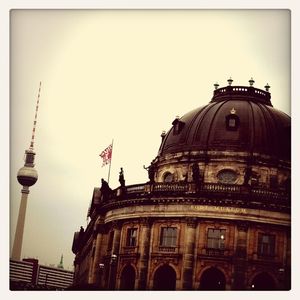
point(215, 213)
point(238, 118)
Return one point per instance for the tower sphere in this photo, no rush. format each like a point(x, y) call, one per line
point(27, 176)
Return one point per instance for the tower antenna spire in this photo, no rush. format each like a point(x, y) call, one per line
point(35, 118)
point(27, 176)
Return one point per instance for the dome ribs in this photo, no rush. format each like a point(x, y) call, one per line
point(253, 129)
point(260, 129)
point(209, 142)
point(272, 145)
point(190, 124)
point(196, 136)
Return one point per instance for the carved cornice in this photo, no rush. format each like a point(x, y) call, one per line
point(116, 225)
point(242, 226)
point(191, 222)
point(146, 221)
point(238, 205)
point(183, 210)
point(158, 258)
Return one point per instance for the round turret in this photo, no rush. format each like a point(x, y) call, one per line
point(27, 176)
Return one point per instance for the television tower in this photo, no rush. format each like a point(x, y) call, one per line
point(27, 176)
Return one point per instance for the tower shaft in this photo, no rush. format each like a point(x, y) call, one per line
point(17, 246)
point(27, 176)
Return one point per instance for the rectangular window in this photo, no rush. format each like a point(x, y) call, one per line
point(168, 237)
point(131, 237)
point(266, 244)
point(231, 123)
point(216, 238)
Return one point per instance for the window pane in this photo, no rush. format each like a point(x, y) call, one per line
point(168, 236)
point(168, 177)
point(210, 243)
point(231, 123)
point(216, 238)
point(266, 244)
point(131, 237)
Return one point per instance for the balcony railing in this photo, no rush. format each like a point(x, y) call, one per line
point(242, 91)
point(206, 193)
point(135, 188)
point(167, 249)
point(205, 189)
point(173, 187)
point(216, 187)
point(215, 252)
point(129, 249)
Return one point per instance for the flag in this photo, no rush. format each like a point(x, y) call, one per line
point(106, 155)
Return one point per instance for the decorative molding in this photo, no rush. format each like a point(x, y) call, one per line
point(116, 225)
point(191, 222)
point(242, 226)
point(180, 211)
point(145, 221)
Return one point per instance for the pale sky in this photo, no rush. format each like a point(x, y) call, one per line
point(121, 75)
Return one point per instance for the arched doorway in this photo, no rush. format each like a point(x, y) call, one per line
point(164, 279)
point(263, 282)
point(213, 280)
point(127, 278)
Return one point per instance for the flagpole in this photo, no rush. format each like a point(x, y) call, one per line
point(112, 145)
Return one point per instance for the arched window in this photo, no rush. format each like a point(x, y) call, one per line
point(263, 282)
point(164, 279)
point(127, 278)
point(212, 280)
point(168, 177)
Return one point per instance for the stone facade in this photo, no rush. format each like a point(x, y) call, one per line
point(211, 218)
point(191, 256)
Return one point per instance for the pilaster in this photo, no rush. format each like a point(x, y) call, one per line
point(144, 252)
point(188, 258)
point(240, 257)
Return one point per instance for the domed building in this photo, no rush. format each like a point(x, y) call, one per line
point(215, 213)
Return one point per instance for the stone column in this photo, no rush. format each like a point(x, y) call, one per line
point(188, 255)
point(240, 257)
point(114, 256)
point(145, 232)
point(96, 270)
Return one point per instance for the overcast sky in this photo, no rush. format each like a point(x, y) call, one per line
point(121, 75)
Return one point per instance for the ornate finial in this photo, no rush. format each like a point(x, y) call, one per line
point(251, 81)
point(163, 134)
point(267, 87)
point(233, 111)
point(216, 85)
point(229, 81)
point(35, 118)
